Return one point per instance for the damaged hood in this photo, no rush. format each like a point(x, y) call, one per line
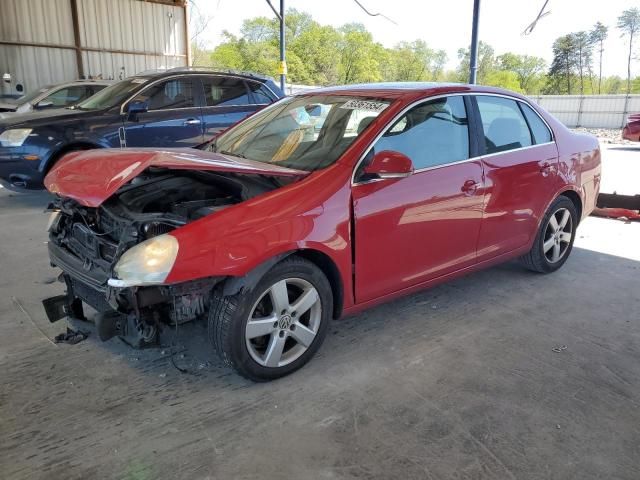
point(92, 176)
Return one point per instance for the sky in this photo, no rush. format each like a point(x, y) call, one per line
point(446, 24)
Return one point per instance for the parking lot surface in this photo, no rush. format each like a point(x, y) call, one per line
point(503, 374)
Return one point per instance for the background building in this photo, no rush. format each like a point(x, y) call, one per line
point(51, 41)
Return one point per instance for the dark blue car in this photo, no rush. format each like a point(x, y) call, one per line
point(175, 108)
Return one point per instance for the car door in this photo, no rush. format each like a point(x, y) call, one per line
point(520, 164)
point(227, 100)
point(414, 229)
point(173, 117)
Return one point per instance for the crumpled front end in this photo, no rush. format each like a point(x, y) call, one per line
point(91, 245)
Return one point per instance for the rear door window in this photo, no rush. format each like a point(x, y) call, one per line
point(503, 123)
point(223, 91)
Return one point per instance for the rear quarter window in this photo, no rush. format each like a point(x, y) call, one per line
point(261, 93)
point(222, 91)
point(539, 130)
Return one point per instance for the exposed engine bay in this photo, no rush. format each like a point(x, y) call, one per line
point(86, 243)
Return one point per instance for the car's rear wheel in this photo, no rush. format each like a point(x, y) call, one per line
point(555, 237)
point(276, 327)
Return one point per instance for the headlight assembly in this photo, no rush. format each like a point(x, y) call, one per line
point(14, 137)
point(53, 221)
point(148, 263)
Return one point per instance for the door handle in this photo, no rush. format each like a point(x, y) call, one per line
point(192, 121)
point(469, 187)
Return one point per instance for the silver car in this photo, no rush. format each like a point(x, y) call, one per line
point(52, 96)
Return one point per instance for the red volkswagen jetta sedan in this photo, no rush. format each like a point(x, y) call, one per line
point(317, 206)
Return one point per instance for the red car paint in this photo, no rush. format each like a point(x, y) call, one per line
point(385, 238)
point(631, 130)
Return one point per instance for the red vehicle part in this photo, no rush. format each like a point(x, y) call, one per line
point(631, 130)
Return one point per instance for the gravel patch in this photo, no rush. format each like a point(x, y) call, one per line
point(605, 135)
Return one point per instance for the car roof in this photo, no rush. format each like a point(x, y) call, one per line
point(91, 81)
point(406, 89)
point(200, 70)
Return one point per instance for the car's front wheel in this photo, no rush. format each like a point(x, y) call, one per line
point(276, 327)
point(555, 237)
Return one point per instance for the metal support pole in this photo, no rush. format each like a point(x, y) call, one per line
point(76, 38)
point(283, 61)
point(473, 60)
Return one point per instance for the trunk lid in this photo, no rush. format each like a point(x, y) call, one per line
point(91, 177)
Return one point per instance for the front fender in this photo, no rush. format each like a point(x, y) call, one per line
point(312, 214)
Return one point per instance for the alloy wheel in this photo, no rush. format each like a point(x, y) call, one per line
point(283, 323)
point(558, 235)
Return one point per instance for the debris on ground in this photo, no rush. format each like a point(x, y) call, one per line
point(623, 214)
point(559, 348)
point(71, 336)
point(605, 135)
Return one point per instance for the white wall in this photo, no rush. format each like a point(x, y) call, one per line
point(591, 111)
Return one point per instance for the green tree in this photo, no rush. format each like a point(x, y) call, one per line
point(318, 48)
point(260, 29)
point(439, 61)
point(563, 66)
point(612, 85)
point(583, 44)
point(412, 61)
point(599, 34)
point(527, 68)
point(358, 62)
point(228, 54)
point(486, 62)
point(504, 79)
point(629, 24)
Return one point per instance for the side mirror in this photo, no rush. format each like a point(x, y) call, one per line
point(135, 107)
point(44, 104)
point(389, 164)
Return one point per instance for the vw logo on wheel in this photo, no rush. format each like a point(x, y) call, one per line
point(284, 322)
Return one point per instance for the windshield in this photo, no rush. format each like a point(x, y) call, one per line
point(29, 97)
point(112, 95)
point(305, 133)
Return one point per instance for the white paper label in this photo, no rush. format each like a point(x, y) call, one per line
point(366, 105)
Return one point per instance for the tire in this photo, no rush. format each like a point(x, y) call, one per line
point(552, 247)
point(234, 320)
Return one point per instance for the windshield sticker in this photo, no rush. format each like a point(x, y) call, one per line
point(365, 105)
point(138, 80)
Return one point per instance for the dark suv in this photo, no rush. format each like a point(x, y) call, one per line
point(174, 108)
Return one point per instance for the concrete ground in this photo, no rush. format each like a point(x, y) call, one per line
point(503, 374)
